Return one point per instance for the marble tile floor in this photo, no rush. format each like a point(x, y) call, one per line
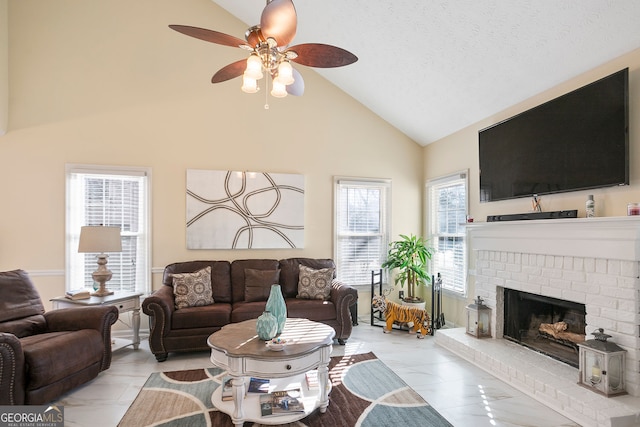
point(462, 393)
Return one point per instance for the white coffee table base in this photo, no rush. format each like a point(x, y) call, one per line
point(251, 402)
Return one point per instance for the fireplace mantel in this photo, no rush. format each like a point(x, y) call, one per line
point(590, 261)
point(604, 237)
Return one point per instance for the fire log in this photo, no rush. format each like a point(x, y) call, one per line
point(558, 330)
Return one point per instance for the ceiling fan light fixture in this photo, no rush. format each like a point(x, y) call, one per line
point(285, 73)
point(254, 67)
point(249, 85)
point(269, 43)
point(279, 90)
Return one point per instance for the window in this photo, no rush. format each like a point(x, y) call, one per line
point(361, 228)
point(98, 195)
point(447, 200)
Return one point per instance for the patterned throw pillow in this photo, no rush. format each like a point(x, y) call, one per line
point(193, 289)
point(314, 284)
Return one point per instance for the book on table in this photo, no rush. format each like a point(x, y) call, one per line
point(76, 294)
point(278, 403)
point(227, 388)
point(312, 379)
point(258, 385)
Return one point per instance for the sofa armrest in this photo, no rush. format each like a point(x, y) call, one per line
point(343, 296)
point(11, 370)
point(99, 318)
point(159, 306)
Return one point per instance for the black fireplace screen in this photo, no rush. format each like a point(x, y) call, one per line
point(548, 325)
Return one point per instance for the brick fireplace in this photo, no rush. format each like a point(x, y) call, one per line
point(594, 262)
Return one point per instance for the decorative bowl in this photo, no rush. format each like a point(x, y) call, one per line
point(276, 344)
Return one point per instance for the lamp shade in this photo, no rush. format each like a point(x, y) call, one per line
point(99, 239)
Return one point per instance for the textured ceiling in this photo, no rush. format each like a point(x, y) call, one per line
point(433, 67)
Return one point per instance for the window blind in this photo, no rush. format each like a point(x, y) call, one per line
point(447, 198)
point(111, 198)
point(361, 229)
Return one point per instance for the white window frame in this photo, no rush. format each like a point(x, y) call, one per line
point(374, 262)
point(77, 264)
point(454, 273)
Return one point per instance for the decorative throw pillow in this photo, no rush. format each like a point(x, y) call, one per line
point(257, 283)
point(193, 289)
point(314, 284)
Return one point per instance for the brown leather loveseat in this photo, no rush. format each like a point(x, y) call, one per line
point(239, 292)
point(44, 355)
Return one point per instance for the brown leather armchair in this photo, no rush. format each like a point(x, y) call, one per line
point(44, 355)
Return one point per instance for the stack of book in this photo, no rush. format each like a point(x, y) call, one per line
point(280, 403)
point(227, 388)
point(77, 294)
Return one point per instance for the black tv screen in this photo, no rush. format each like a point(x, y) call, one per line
point(577, 141)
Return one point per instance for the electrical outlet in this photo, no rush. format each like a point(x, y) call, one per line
point(400, 294)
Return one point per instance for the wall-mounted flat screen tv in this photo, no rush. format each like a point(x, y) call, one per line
point(577, 141)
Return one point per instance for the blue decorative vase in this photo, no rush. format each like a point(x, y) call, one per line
point(266, 326)
point(277, 307)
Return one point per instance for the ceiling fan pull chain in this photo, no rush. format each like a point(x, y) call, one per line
point(266, 93)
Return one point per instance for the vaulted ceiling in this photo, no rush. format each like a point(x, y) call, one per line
point(432, 67)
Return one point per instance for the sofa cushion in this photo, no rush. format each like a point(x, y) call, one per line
point(247, 310)
point(218, 314)
point(314, 284)
point(238, 279)
point(74, 352)
point(220, 276)
point(193, 289)
point(258, 283)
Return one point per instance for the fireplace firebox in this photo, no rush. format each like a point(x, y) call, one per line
point(547, 325)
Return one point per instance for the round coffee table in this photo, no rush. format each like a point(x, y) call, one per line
point(237, 349)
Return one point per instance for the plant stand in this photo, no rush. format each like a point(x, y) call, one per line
point(377, 317)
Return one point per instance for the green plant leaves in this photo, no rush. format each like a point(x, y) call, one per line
point(410, 255)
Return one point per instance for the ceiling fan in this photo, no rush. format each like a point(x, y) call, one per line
point(268, 43)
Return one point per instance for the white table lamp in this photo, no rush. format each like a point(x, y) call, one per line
point(100, 239)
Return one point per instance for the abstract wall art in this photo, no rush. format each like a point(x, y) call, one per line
point(244, 210)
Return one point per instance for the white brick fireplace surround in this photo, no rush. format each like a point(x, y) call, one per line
point(592, 261)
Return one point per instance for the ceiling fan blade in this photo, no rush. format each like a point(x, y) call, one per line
point(231, 71)
point(322, 55)
point(297, 87)
point(209, 35)
point(280, 21)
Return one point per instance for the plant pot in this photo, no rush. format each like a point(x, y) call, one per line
point(418, 304)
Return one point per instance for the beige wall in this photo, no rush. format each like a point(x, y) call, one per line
point(460, 151)
point(4, 66)
point(106, 82)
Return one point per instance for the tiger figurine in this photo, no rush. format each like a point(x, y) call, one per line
point(395, 312)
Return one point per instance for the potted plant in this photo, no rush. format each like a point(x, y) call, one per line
point(410, 256)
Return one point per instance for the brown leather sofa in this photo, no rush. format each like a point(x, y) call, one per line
point(44, 355)
point(187, 329)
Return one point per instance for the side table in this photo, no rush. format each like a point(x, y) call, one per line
point(124, 301)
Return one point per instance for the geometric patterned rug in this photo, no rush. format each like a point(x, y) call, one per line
point(365, 393)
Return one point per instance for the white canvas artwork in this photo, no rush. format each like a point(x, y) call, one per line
point(244, 210)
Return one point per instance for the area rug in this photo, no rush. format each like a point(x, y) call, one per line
point(365, 393)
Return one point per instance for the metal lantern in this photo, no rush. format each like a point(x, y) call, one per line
point(479, 319)
point(602, 365)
